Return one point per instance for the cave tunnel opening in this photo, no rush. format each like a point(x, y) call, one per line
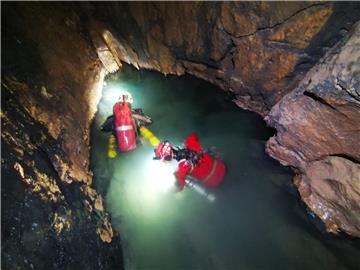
point(255, 222)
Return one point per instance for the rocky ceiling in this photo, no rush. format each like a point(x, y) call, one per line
point(258, 50)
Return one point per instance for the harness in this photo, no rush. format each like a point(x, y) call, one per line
point(211, 174)
point(191, 164)
point(124, 128)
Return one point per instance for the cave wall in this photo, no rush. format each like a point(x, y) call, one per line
point(257, 50)
point(55, 56)
point(47, 48)
point(318, 133)
point(47, 223)
point(51, 83)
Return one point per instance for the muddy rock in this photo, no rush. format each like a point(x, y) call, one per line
point(318, 133)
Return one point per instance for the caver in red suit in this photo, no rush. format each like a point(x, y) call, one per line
point(206, 169)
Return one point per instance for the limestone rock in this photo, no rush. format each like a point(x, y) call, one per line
point(106, 233)
point(42, 211)
point(267, 46)
point(318, 122)
point(51, 83)
point(331, 187)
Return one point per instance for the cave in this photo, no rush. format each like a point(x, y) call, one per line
point(287, 71)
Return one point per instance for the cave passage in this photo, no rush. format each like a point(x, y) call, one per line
point(256, 221)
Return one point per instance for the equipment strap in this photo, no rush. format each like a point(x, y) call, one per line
point(192, 167)
point(207, 178)
point(185, 160)
point(124, 128)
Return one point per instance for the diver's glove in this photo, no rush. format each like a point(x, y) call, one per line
point(178, 187)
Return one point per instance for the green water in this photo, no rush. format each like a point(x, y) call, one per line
point(256, 221)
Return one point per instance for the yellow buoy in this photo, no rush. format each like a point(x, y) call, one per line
point(147, 134)
point(154, 141)
point(112, 147)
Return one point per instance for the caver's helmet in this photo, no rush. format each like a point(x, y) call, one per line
point(164, 151)
point(125, 96)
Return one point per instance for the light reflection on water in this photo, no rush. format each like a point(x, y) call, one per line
point(254, 224)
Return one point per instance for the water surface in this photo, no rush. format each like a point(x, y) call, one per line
point(256, 222)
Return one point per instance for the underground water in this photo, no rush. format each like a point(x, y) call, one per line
point(257, 220)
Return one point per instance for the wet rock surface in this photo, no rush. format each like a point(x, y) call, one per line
point(318, 133)
point(51, 83)
point(53, 66)
point(47, 222)
point(331, 188)
point(257, 50)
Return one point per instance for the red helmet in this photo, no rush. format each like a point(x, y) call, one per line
point(164, 151)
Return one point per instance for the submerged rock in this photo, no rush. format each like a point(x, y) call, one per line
point(318, 133)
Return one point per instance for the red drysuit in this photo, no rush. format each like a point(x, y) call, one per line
point(209, 171)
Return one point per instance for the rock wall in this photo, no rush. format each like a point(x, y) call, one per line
point(257, 50)
point(61, 74)
point(47, 221)
point(51, 83)
point(318, 133)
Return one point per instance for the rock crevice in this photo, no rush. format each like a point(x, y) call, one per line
point(273, 26)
